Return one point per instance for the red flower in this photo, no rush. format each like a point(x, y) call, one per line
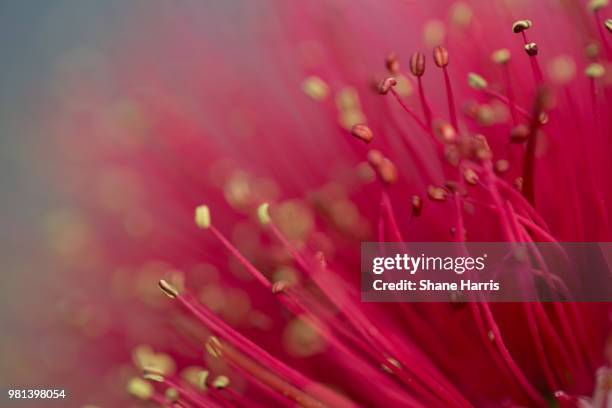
point(490, 129)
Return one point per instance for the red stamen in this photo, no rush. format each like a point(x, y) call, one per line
point(408, 110)
point(248, 265)
point(450, 98)
point(262, 374)
point(528, 187)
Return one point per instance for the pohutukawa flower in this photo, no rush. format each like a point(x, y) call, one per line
point(271, 284)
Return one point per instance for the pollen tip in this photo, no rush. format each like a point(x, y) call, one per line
point(384, 168)
point(153, 374)
point(519, 134)
point(591, 50)
point(386, 84)
point(596, 5)
point(140, 388)
point(595, 70)
point(202, 216)
point(213, 346)
point(172, 394)
point(501, 56)
point(501, 166)
point(315, 88)
point(392, 63)
point(476, 81)
point(362, 132)
point(608, 24)
point(417, 64)
point(375, 157)
point(221, 382)
point(417, 205)
point(445, 132)
point(202, 377)
point(436, 193)
point(518, 183)
point(454, 187)
point(279, 286)
point(320, 258)
point(531, 49)
point(387, 171)
point(470, 176)
point(521, 25)
point(170, 290)
point(440, 56)
point(263, 213)
point(390, 365)
point(491, 335)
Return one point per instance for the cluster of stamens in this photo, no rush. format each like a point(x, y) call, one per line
point(467, 162)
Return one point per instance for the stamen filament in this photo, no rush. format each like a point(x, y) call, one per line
point(264, 376)
point(451, 100)
point(424, 103)
point(248, 265)
point(408, 110)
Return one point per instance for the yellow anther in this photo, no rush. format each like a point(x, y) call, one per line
point(595, 70)
point(196, 376)
point(562, 69)
point(315, 87)
point(461, 14)
point(434, 32)
point(153, 374)
point(470, 176)
point(170, 290)
point(172, 394)
point(521, 25)
point(279, 287)
point(597, 5)
point(394, 362)
point(501, 56)
point(263, 214)
point(592, 50)
point(139, 388)
point(437, 193)
point(202, 216)
point(531, 49)
point(476, 81)
point(213, 346)
point(221, 382)
point(202, 378)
